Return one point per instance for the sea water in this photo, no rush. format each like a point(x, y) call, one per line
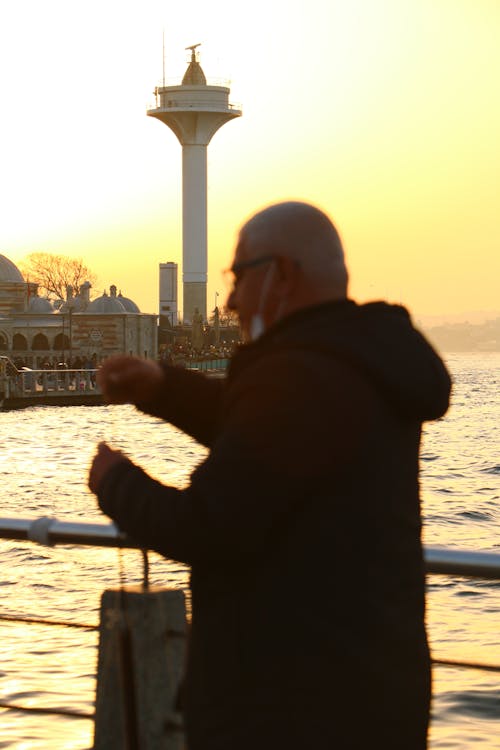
point(45, 453)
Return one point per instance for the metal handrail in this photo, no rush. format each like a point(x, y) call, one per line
point(50, 531)
point(40, 382)
point(438, 560)
point(462, 562)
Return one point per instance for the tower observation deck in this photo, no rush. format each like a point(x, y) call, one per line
point(194, 111)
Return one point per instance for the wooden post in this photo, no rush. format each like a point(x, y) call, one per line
point(142, 642)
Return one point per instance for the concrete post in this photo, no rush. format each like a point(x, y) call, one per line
point(142, 640)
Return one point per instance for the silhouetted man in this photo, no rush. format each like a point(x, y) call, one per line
point(302, 526)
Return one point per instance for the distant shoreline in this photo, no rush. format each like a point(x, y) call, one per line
point(465, 337)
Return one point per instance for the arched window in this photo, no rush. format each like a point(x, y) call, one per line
point(4, 344)
point(61, 342)
point(40, 342)
point(19, 342)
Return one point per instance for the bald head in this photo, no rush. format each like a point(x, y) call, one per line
point(304, 234)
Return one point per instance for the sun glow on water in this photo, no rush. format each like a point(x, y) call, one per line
point(461, 507)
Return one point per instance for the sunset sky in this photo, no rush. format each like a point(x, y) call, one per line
point(385, 113)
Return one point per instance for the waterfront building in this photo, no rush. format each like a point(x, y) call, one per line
point(35, 331)
point(194, 111)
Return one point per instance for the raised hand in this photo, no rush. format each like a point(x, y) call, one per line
point(125, 379)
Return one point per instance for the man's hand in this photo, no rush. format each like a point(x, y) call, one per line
point(103, 461)
point(124, 379)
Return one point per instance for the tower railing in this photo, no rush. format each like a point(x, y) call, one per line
point(195, 104)
point(171, 82)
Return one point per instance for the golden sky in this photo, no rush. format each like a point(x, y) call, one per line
point(385, 113)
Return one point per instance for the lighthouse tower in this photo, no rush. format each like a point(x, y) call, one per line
point(194, 111)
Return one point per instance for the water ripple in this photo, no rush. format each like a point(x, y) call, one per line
point(460, 481)
point(481, 704)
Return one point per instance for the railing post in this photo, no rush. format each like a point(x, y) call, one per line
point(3, 381)
point(142, 641)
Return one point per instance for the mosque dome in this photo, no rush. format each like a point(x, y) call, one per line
point(40, 305)
point(128, 304)
point(9, 272)
point(106, 304)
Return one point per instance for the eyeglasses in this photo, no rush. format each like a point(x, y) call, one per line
point(235, 273)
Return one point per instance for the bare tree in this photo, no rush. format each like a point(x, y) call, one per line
point(54, 273)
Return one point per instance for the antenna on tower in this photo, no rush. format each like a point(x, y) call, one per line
point(192, 48)
point(163, 58)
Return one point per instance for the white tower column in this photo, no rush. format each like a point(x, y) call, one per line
point(194, 224)
point(194, 111)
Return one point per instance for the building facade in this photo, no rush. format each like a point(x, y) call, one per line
point(168, 294)
point(34, 333)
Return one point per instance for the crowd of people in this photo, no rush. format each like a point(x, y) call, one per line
point(185, 353)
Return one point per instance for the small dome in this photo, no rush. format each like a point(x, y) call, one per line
point(128, 304)
point(194, 75)
point(9, 272)
point(40, 305)
point(106, 304)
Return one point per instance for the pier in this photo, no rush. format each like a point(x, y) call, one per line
point(63, 387)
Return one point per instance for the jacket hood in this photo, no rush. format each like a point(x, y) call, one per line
point(380, 340)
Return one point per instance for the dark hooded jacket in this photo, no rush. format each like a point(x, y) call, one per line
point(302, 527)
